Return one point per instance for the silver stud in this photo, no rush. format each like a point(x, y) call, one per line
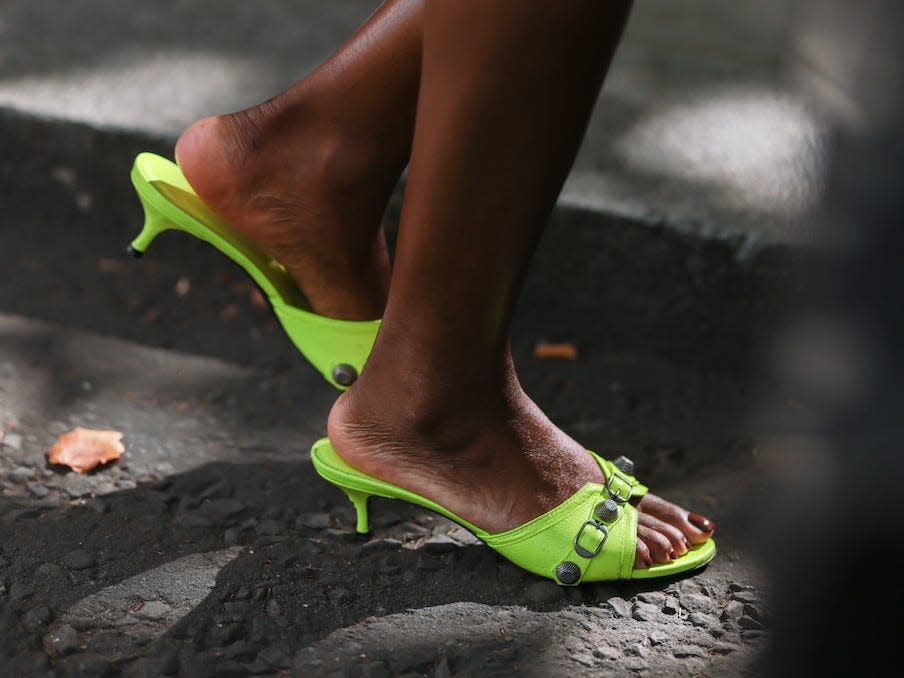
point(568, 573)
point(344, 374)
point(623, 464)
point(606, 510)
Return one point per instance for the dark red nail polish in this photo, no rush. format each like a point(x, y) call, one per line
point(700, 522)
point(648, 561)
point(687, 545)
point(672, 554)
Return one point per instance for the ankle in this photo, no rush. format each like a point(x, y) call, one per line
point(442, 410)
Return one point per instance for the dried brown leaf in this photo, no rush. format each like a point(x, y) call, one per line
point(561, 350)
point(258, 300)
point(82, 449)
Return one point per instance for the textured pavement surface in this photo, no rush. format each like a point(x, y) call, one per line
point(211, 547)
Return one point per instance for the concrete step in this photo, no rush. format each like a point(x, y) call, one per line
point(602, 282)
point(698, 127)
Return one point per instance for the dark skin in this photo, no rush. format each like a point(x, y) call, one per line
point(487, 102)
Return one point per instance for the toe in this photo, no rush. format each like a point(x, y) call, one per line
point(659, 545)
point(691, 525)
point(642, 557)
point(680, 544)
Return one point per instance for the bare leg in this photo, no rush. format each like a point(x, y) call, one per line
point(506, 91)
point(308, 173)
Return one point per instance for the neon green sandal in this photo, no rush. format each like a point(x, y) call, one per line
point(336, 348)
point(591, 536)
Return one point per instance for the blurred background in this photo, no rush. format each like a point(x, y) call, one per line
point(734, 209)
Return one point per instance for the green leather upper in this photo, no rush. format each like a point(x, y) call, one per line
point(171, 203)
point(572, 532)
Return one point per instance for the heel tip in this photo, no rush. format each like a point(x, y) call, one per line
point(132, 252)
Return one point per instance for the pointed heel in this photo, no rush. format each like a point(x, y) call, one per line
point(359, 500)
point(154, 224)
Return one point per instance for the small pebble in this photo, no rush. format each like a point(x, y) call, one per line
point(651, 597)
point(696, 602)
point(753, 612)
point(620, 606)
point(670, 606)
point(658, 637)
point(636, 650)
point(605, 652)
point(724, 648)
point(681, 651)
point(645, 612)
point(744, 596)
point(733, 610)
point(37, 490)
point(463, 536)
point(633, 663)
point(702, 619)
point(79, 560)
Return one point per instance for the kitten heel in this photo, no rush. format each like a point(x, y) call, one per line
point(154, 224)
point(359, 500)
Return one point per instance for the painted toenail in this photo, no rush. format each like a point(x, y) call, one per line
point(687, 545)
point(700, 522)
point(672, 554)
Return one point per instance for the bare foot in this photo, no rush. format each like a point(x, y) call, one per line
point(313, 201)
point(496, 464)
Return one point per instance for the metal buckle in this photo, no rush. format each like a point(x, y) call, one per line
point(615, 493)
point(587, 553)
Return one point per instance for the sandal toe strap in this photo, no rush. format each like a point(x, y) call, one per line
point(589, 537)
